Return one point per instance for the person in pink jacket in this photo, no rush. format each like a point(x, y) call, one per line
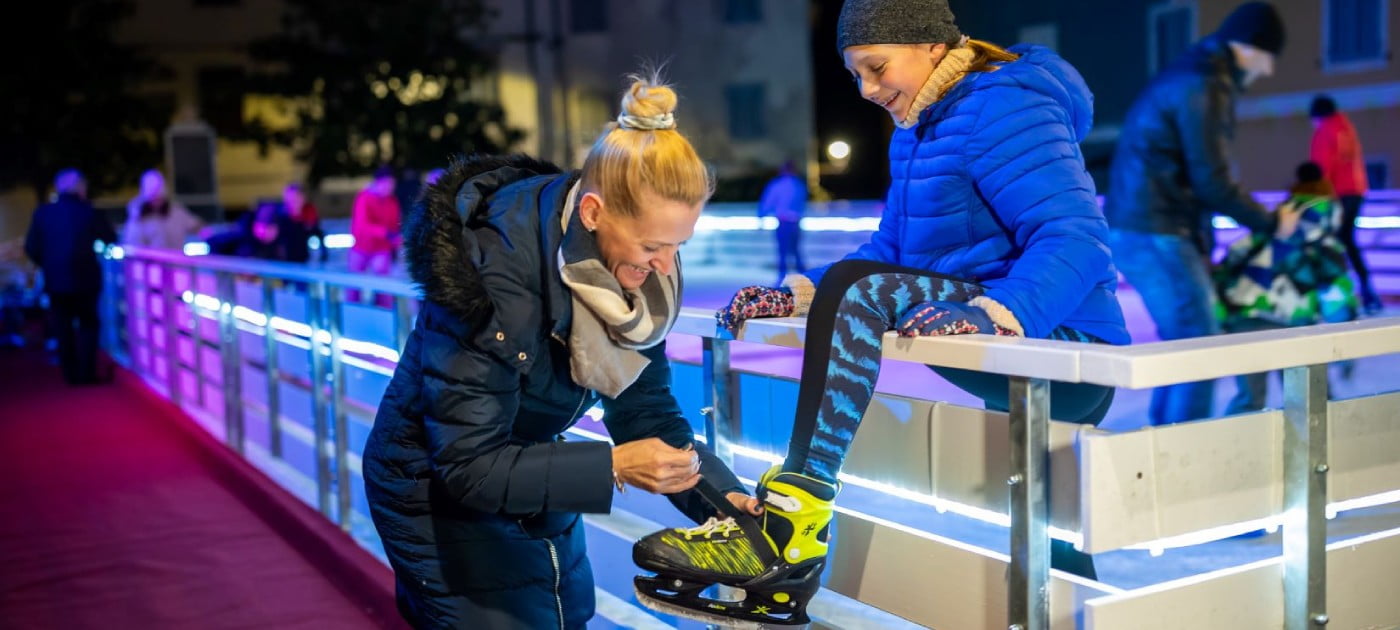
point(1337, 149)
point(374, 223)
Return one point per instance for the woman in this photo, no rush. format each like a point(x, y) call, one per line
point(991, 226)
point(543, 292)
point(154, 220)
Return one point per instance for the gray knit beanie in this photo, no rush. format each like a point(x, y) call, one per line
point(895, 22)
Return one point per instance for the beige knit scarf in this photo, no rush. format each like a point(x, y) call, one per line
point(949, 71)
point(611, 325)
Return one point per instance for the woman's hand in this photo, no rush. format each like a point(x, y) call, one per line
point(746, 504)
point(755, 301)
point(656, 466)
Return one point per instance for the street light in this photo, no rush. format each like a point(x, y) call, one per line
point(838, 150)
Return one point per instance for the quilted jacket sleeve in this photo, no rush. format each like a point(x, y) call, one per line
point(471, 400)
point(1022, 157)
point(1206, 123)
point(882, 247)
point(648, 409)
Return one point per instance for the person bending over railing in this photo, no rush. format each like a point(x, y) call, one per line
point(990, 227)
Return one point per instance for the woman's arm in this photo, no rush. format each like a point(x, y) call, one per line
point(648, 409)
point(471, 398)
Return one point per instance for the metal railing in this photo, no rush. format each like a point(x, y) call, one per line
point(167, 296)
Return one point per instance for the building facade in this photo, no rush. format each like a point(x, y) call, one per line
point(1339, 47)
point(742, 69)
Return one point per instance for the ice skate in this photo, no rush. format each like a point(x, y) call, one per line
point(775, 560)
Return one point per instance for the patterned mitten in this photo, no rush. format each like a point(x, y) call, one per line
point(754, 301)
point(948, 318)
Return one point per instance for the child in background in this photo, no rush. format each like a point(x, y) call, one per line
point(1295, 277)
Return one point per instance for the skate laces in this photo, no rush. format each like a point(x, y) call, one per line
point(713, 526)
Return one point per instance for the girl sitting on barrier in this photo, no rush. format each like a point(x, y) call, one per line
point(1294, 277)
point(542, 290)
point(991, 226)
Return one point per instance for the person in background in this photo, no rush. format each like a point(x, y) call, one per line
point(1171, 174)
point(62, 241)
point(786, 198)
point(301, 211)
point(374, 223)
point(1296, 277)
point(154, 220)
point(1336, 148)
point(14, 284)
point(268, 234)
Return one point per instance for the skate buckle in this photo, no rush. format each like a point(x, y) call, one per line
point(782, 501)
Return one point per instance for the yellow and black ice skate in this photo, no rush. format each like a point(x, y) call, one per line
point(775, 559)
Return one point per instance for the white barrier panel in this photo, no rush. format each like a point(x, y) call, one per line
point(1164, 482)
point(957, 454)
point(935, 581)
point(1362, 594)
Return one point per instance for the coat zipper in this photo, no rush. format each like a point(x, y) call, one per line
point(558, 603)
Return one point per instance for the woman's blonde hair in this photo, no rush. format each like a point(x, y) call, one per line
point(645, 153)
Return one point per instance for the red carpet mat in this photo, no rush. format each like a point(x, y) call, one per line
point(114, 513)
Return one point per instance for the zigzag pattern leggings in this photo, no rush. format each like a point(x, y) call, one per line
point(856, 303)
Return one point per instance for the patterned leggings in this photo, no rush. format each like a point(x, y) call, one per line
point(857, 302)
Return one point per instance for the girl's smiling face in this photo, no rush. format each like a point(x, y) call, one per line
point(891, 75)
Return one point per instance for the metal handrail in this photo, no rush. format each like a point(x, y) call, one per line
point(1030, 364)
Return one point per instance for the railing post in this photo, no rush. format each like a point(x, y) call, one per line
point(320, 428)
point(1305, 497)
point(337, 400)
point(197, 342)
point(1028, 594)
point(274, 375)
point(719, 431)
point(230, 353)
point(172, 333)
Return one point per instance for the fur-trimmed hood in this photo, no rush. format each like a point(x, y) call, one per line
point(439, 246)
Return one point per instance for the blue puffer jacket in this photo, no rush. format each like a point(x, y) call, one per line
point(990, 186)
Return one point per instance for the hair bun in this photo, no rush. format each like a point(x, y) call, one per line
point(648, 105)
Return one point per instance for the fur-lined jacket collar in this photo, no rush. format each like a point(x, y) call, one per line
point(477, 245)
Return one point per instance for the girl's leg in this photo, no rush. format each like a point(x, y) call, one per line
point(857, 302)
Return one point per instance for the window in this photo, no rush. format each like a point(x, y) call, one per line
point(746, 116)
point(1047, 35)
point(221, 98)
point(588, 16)
point(743, 11)
point(1378, 173)
point(1171, 28)
point(1354, 34)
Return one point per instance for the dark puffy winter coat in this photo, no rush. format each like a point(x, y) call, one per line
point(474, 492)
point(60, 241)
point(1171, 169)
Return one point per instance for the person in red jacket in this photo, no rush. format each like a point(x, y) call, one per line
point(375, 225)
point(1337, 149)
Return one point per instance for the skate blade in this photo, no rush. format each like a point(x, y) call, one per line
point(708, 618)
